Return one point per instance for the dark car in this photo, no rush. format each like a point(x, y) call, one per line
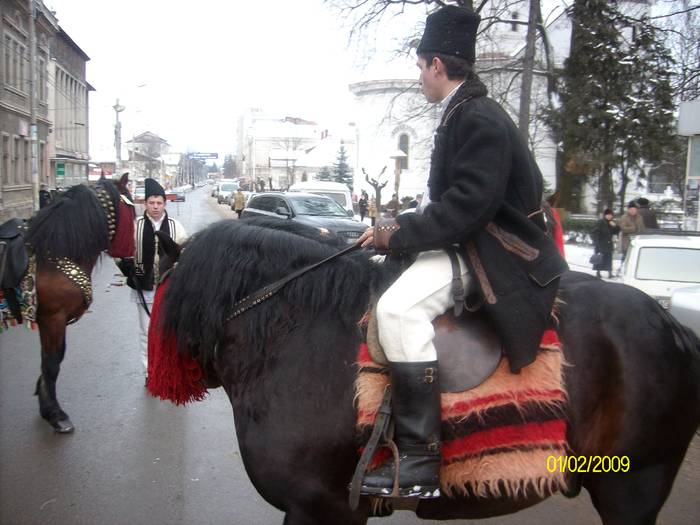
point(306, 208)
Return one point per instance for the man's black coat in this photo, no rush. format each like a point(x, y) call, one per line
point(485, 192)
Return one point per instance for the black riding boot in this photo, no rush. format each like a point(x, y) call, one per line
point(415, 402)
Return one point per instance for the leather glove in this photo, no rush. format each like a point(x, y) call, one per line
point(127, 266)
point(383, 230)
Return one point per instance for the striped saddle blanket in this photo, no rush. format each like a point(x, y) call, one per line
point(498, 438)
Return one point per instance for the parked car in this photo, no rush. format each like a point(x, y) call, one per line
point(179, 196)
point(340, 193)
point(307, 208)
point(660, 264)
point(685, 306)
point(140, 195)
point(226, 188)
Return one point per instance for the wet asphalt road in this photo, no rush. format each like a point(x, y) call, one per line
point(136, 460)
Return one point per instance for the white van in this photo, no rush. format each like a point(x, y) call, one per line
point(335, 190)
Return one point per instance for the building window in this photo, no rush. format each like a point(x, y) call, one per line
point(16, 157)
point(27, 161)
point(40, 161)
point(5, 160)
point(404, 146)
point(42, 80)
point(513, 26)
point(8, 61)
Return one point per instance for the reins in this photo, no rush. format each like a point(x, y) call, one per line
point(268, 291)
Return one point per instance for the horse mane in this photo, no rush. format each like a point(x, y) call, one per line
point(231, 259)
point(74, 226)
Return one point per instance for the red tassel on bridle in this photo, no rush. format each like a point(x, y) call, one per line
point(172, 375)
point(123, 243)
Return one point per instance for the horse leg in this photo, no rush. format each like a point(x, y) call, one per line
point(53, 349)
point(321, 512)
point(635, 497)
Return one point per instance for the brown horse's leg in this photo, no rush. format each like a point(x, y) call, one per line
point(632, 498)
point(53, 349)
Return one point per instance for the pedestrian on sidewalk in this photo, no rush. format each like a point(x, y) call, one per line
point(238, 202)
point(363, 205)
point(602, 234)
point(631, 223)
point(146, 257)
point(647, 214)
point(372, 211)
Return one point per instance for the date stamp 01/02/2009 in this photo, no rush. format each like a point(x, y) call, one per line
point(588, 464)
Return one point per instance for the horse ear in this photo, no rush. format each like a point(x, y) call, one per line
point(168, 245)
point(124, 180)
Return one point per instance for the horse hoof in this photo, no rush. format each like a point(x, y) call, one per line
point(63, 427)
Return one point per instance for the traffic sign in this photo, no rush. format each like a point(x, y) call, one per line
point(203, 155)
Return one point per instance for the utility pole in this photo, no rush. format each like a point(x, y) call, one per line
point(118, 108)
point(33, 133)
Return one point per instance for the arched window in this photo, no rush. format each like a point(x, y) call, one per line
point(404, 146)
point(514, 16)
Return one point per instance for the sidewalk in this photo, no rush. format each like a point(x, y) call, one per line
point(578, 255)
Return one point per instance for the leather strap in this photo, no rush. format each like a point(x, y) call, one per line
point(268, 291)
point(381, 424)
point(457, 283)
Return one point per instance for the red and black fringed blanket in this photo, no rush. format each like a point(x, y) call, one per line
point(497, 437)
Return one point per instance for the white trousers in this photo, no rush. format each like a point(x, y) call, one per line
point(144, 322)
point(406, 310)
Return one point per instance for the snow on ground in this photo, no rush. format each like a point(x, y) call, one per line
point(577, 255)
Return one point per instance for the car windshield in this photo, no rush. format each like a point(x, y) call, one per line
point(228, 187)
point(337, 197)
point(669, 264)
point(318, 206)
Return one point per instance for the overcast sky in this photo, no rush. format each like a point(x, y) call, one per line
point(185, 70)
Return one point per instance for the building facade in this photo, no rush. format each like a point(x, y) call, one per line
point(60, 106)
point(68, 111)
point(18, 189)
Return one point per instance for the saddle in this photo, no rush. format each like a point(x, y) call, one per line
point(468, 348)
point(13, 254)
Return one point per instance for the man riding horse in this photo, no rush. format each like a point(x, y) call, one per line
point(483, 222)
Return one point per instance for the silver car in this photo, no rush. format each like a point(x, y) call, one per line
point(685, 306)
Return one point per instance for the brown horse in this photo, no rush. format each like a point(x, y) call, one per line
point(287, 366)
point(66, 239)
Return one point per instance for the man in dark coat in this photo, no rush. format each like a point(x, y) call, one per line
point(647, 214)
point(603, 233)
point(484, 200)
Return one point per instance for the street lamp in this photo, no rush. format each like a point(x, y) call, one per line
point(118, 108)
point(398, 156)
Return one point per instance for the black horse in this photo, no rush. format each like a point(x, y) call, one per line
point(67, 238)
point(288, 369)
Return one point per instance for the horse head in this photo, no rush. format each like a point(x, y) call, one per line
point(169, 254)
point(120, 216)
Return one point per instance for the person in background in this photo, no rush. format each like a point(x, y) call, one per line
point(393, 206)
point(602, 234)
point(372, 210)
point(146, 258)
point(238, 202)
point(44, 196)
point(362, 205)
point(631, 223)
point(647, 214)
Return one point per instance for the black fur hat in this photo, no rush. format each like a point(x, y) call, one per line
point(451, 31)
point(153, 188)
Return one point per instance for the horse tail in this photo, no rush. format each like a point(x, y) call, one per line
point(688, 343)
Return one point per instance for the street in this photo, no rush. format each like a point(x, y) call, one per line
point(137, 460)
